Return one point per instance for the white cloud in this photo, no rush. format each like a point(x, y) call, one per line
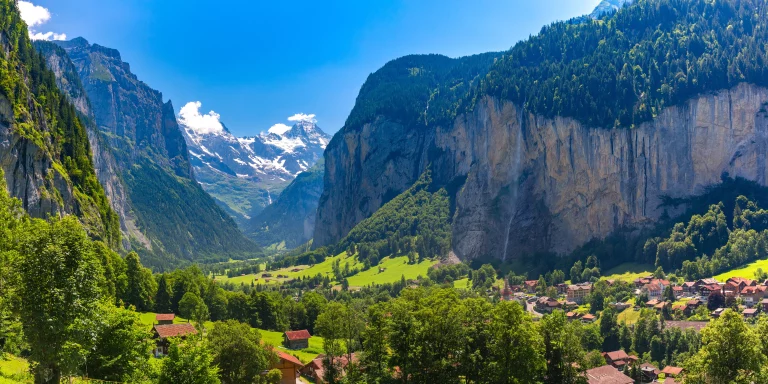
point(47, 36)
point(279, 129)
point(35, 15)
point(303, 117)
point(190, 116)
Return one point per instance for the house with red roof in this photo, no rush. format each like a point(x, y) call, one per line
point(671, 371)
point(654, 290)
point(165, 318)
point(607, 375)
point(753, 294)
point(618, 359)
point(162, 332)
point(530, 285)
point(296, 339)
point(289, 366)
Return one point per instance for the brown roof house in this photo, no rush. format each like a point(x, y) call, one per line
point(296, 339)
point(165, 318)
point(289, 366)
point(162, 332)
point(618, 359)
point(670, 371)
point(607, 375)
point(752, 294)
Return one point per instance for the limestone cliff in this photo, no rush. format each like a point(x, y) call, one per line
point(523, 183)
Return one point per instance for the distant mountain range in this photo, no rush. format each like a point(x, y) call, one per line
point(246, 174)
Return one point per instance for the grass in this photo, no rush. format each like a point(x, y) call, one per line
point(14, 370)
point(461, 283)
point(628, 272)
point(629, 316)
point(396, 268)
point(747, 271)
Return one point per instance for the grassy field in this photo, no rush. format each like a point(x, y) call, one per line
point(461, 283)
point(747, 271)
point(14, 370)
point(395, 269)
point(628, 272)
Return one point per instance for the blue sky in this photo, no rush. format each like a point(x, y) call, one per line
point(257, 62)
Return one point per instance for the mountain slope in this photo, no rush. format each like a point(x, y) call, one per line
point(537, 156)
point(245, 174)
point(104, 161)
point(44, 150)
point(178, 220)
point(290, 220)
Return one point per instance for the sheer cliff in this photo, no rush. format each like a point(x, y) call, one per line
point(574, 133)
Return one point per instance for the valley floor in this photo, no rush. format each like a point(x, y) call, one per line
point(394, 269)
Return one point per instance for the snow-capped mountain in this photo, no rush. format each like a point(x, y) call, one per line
point(244, 174)
point(272, 155)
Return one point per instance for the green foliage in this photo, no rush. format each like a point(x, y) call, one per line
point(238, 352)
point(189, 362)
point(403, 89)
point(417, 215)
point(730, 353)
point(162, 200)
point(122, 346)
point(59, 292)
point(141, 285)
point(192, 306)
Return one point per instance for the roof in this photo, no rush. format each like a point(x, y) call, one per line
point(751, 290)
point(653, 287)
point(616, 355)
point(297, 335)
point(689, 283)
point(739, 280)
point(165, 317)
point(670, 370)
point(649, 368)
point(175, 330)
point(677, 288)
point(708, 281)
point(607, 375)
point(750, 311)
point(284, 356)
point(531, 283)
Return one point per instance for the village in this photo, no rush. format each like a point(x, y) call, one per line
point(679, 305)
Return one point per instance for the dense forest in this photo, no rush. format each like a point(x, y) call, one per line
point(626, 67)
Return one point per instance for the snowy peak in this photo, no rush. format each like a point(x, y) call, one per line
point(279, 154)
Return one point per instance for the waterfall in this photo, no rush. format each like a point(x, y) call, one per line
point(516, 161)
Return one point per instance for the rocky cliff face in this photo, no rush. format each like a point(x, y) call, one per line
point(104, 161)
point(133, 115)
point(529, 183)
